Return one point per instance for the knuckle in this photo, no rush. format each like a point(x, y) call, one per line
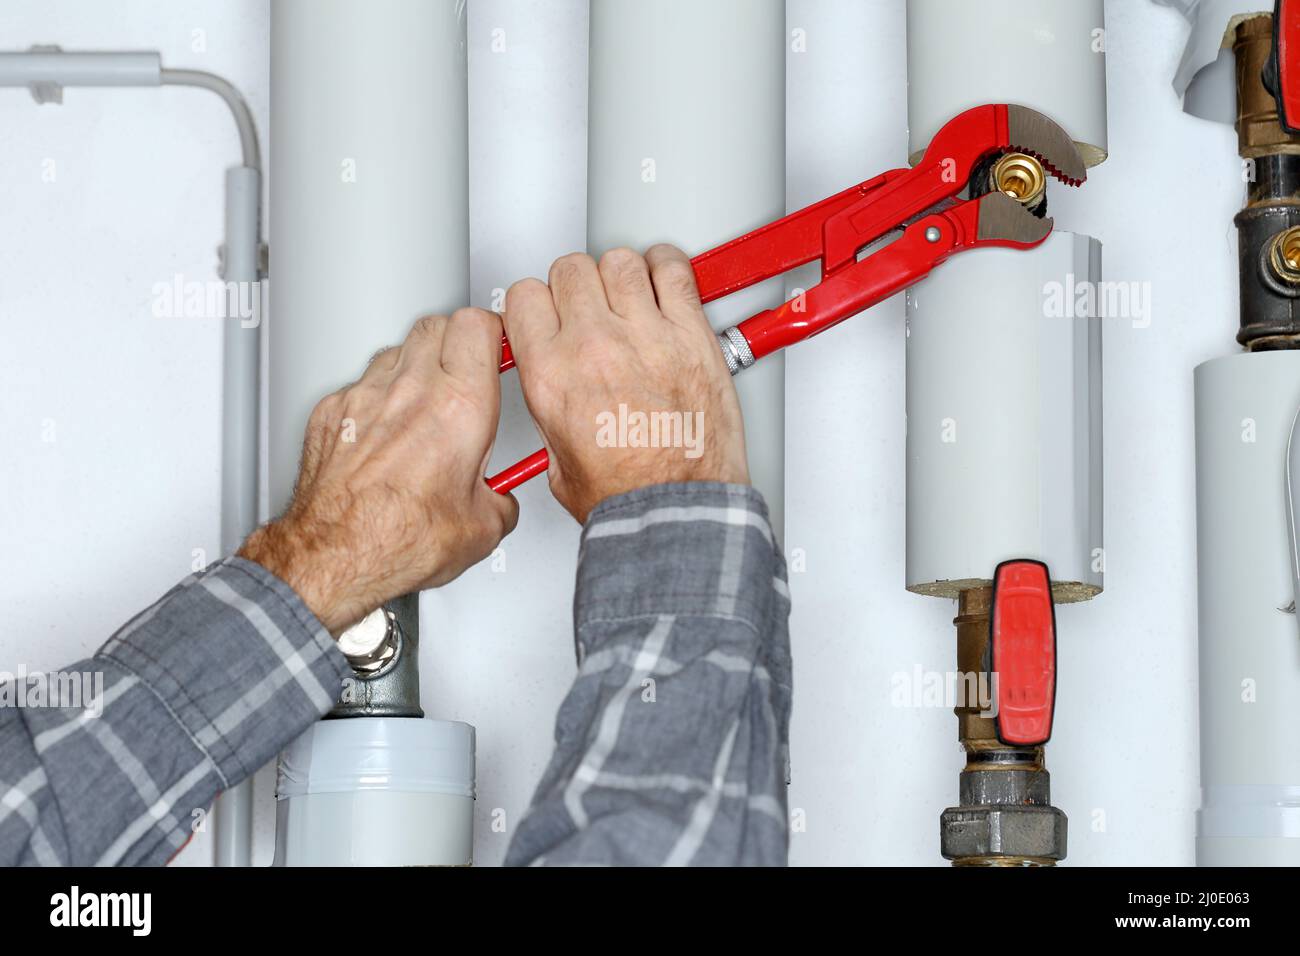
point(529, 286)
point(525, 289)
point(407, 390)
point(679, 278)
point(665, 249)
point(470, 314)
point(428, 324)
point(327, 409)
point(565, 272)
point(571, 268)
point(620, 260)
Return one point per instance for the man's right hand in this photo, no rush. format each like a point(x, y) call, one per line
point(616, 357)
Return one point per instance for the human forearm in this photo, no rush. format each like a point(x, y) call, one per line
point(671, 745)
point(188, 698)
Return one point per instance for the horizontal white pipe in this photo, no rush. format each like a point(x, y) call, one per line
point(80, 69)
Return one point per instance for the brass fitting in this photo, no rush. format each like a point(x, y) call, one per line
point(1004, 817)
point(1259, 130)
point(1021, 177)
point(974, 729)
point(1284, 257)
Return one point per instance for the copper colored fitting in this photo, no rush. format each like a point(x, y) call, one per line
point(1259, 131)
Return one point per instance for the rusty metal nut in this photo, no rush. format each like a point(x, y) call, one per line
point(1029, 832)
point(1005, 787)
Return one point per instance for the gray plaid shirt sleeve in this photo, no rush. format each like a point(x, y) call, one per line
point(671, 747)
point(188, 698)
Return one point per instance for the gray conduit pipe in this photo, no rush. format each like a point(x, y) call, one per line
point(45, 72)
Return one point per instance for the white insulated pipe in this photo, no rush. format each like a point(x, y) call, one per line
point(1048, 55)
point(687, 145)
point(368, 197)
point(377, 791)
point(1004, 419)
point(1003, 377)
point(1249, 650)
point(369, 206)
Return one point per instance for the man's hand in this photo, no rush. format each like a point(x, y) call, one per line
point(624, 377)
point(390, 496)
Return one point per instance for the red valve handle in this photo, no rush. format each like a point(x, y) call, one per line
point(1282, 71)
point(1022, 652)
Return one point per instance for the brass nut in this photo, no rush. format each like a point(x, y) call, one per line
point(1284, 256)
point(992, 835)
point(1021, 177)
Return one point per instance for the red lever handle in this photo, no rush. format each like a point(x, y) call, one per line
point(1286, 55)
point(1022, 652)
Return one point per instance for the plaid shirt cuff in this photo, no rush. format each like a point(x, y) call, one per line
point(687, 548)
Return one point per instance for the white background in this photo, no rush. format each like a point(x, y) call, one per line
point(104, 518)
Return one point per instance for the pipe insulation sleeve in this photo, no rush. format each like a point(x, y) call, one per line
point(696, 158)
point(377, 791)
point(80, 69)
point(1249, 651)
point(369, 162)
point(1048, 55)
point(1004, 419)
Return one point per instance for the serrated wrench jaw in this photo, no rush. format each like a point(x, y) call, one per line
point(1031, 132)
point(1003, 220)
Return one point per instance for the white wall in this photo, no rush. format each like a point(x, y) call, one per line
point(103, 518)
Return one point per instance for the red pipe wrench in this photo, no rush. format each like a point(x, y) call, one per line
point(923, 202)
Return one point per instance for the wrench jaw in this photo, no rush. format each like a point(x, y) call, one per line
point(1031, 132)
point(970, 138)
point(1005, 222)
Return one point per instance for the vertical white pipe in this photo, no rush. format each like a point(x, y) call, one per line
point(1045, 54)
point(368, 200)
point(1249, 654)
point(240, 443)
point(687, 145)
point(1004, 455)
point(1003, 380)
point(241, 341)
point(369, 209)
